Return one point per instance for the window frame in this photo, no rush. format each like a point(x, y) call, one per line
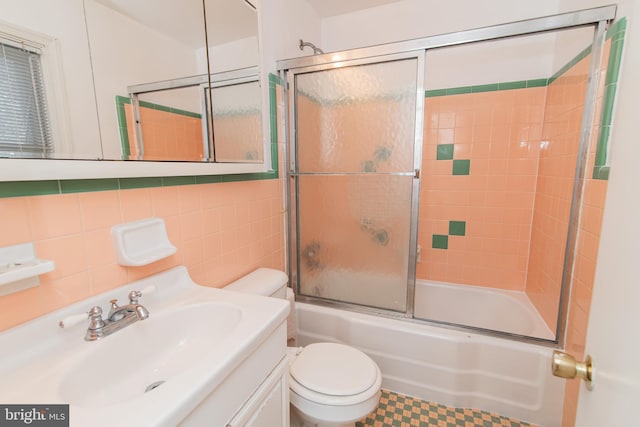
point(53, 80)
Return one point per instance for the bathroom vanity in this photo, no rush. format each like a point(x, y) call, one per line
point(204, 356)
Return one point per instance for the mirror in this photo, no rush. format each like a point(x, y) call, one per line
point(57, 36)
point(163, 71)
point(106, 46)
point(237, 122)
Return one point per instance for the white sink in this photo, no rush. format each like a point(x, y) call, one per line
point(153, 372)
point(147, 354)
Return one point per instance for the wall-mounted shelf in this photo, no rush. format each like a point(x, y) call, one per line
point(19, 268)
point(141, 242)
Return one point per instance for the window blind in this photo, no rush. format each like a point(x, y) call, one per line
point(25, 128)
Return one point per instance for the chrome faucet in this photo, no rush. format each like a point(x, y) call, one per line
point(118, 317)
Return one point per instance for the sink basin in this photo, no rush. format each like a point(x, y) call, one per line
point(145, 355)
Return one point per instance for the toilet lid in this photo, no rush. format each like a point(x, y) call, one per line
point(334, 369)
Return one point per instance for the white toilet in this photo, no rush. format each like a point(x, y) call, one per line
point(330, 384)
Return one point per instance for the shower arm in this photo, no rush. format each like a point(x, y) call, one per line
point(316, 50)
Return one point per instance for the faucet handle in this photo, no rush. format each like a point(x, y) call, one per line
point(95, 318)
point(133, 297)
point(73, 320)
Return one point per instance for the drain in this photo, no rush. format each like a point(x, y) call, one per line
point(154, 385)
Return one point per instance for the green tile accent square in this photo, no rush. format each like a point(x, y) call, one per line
point(440, 241)
point(457, 228)
point(461, 167)
point(445, 152)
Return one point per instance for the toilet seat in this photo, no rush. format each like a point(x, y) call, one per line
point(334, 374)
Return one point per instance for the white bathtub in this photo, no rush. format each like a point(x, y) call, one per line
point(446, 366)
point(481, 307)
point(488, 308)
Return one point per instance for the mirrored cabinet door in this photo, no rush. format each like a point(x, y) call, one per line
point(234, 102)
point(196, 61)
point(47, 103)
point(144, 41)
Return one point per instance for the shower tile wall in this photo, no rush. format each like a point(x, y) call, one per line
point(563, 117)
point(480, 160)
point(521, 145)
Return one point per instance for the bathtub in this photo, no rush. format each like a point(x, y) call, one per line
point(487, 308)
point(481, 307)
point(450, 367)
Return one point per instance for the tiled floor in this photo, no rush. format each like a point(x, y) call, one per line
point(397, 410)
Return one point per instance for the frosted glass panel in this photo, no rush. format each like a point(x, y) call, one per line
point(357, 119)
point(354, 238)
point(237, 123)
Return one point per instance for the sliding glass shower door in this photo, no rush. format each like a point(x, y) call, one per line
point(357, 128)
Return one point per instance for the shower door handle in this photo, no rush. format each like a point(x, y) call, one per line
point(564, 365)
point(416, 173)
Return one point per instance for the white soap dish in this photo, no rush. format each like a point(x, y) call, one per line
point(19, 268)
point(141, 242)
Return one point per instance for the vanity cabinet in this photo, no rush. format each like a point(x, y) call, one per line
point(255, 393)
point(269, 405)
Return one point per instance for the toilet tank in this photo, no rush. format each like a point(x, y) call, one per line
point(263, 281)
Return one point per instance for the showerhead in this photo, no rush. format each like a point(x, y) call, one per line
point(316, 50)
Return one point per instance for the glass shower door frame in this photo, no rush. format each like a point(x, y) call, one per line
point(289, 76)
point(598, 17)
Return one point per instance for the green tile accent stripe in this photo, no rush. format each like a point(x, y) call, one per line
point(396, 409)
point(208, 179)
point(29, 188)
point(159, 107)
point(440, 241)
point(579, 57)
point(537, 82)
point(492, 87)
point(88, 185)
point(601, 172)
point(39, 188)
point(122, 125)
point(616, 30)
point(461, 167)
point(445, 152)
point(171, 181)
point(457, 228)
point(130, 183)
point(275, 79)
point(616, 34)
